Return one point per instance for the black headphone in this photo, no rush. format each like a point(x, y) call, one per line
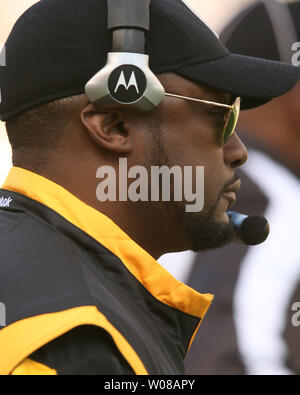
point(127, 78)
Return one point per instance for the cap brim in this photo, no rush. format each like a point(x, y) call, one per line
point(255, 80)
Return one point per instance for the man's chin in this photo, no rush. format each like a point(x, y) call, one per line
point(223, 219)
point(206, 230)
point(217, 236)
point(210, 233)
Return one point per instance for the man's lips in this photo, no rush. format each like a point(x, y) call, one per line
point(234, 187)
point(230, 193)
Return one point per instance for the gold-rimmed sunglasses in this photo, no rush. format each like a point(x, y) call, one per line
point(230, 120)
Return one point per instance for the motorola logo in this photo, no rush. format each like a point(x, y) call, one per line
point(127, 84)
point(122, 82)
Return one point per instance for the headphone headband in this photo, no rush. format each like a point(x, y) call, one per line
point(126, 78)
point(128, 14)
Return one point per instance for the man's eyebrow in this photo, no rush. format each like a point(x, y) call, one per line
point(223, 98)
point(227, 98)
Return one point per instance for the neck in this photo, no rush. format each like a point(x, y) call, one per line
point(143, 222)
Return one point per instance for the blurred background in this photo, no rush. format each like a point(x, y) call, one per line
point(215, 12)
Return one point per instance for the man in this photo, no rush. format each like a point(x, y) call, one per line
point(254, 327)
point(79, 280)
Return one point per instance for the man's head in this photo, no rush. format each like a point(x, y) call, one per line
point(77, 138)
point(67, 140)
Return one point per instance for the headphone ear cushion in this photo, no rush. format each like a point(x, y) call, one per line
point(126, 79)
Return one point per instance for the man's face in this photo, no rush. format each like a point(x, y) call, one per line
point(190, 137)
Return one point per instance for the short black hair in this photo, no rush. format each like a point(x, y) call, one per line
point(33, 135)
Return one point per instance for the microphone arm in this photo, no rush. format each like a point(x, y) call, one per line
point(249, 230)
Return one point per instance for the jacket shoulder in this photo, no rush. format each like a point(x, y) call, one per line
point(26, 236)
point(40, 268)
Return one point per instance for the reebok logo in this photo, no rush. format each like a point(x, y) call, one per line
point(5, 202)
point(122, 82)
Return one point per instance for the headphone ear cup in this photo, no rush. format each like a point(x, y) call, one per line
point(126, 79)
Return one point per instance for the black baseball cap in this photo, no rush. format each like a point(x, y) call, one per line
point(56, 46)
point(277, 28)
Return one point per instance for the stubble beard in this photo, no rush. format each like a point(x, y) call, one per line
point(201, 231)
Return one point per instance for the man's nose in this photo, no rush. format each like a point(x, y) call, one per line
point(235, 152)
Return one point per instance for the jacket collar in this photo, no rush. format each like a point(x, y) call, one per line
point(159, 282)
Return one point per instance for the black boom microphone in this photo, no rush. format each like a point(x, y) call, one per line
point(249, 230)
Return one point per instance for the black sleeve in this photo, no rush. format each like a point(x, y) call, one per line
point(85, 350)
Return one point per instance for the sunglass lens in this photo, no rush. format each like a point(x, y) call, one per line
point(231, 122)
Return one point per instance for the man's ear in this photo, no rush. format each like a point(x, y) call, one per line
point(107, 128)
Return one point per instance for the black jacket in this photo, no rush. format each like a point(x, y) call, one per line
point(80, 295)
